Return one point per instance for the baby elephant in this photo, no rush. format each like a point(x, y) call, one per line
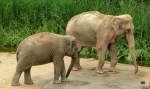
point(42, 48)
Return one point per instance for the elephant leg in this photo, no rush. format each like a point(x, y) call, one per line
point(27, 76)
point(57, 69)
point(113, 51)
point(101, 54)
point(77, 65)
point(16, 77)
point(63, 72)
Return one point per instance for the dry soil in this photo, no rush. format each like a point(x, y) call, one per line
point(87, 78)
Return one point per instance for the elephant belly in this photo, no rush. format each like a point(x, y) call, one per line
point(35, 56)
point(39, 60)
point(42, 57)
point(86, 36)
point(87, 42)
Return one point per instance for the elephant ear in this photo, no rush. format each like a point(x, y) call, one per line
point(73, 46)
point(121, 22)
point(70, 46)
point(116, 23)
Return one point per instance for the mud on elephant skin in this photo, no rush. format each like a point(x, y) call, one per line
point(94, 29)
point(42, 48)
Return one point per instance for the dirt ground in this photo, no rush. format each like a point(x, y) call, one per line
point(87, 78)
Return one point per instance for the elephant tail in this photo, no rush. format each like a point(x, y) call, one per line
point(70, 67)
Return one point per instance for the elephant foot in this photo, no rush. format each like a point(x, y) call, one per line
point(56, 82)
point(15, 84)
point(76, 68)
point(113, 70)
point(29, 82)
point(100, 71)
point(63, 79)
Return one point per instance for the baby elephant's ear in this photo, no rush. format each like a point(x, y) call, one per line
point(69, 45)
point(74, 46)
point(73, 43)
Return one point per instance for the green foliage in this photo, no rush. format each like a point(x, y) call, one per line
point(21, 18)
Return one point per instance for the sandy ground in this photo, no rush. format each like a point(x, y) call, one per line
point(87, 78)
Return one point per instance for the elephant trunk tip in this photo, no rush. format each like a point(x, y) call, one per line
point(70, 68)
point(67, 74)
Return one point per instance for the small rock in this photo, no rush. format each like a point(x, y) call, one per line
point(142, 82)
point(144, 85)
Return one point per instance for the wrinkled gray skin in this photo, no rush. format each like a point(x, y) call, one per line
point(42, 48)
point(94, 29)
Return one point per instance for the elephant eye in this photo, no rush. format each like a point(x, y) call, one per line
point(128, 30)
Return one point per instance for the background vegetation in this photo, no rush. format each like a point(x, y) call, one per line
point(21, 18)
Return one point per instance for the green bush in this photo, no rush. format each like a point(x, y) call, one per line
point(21, 18)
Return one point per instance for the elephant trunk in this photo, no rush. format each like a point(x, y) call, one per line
point(131, 46)
point(71, 65)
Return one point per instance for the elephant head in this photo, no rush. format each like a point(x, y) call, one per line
point(71, 50)
point(123, 26)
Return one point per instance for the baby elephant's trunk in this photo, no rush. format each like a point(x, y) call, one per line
point(70, 67)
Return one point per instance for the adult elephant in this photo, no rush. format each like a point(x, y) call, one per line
point(94, 29)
